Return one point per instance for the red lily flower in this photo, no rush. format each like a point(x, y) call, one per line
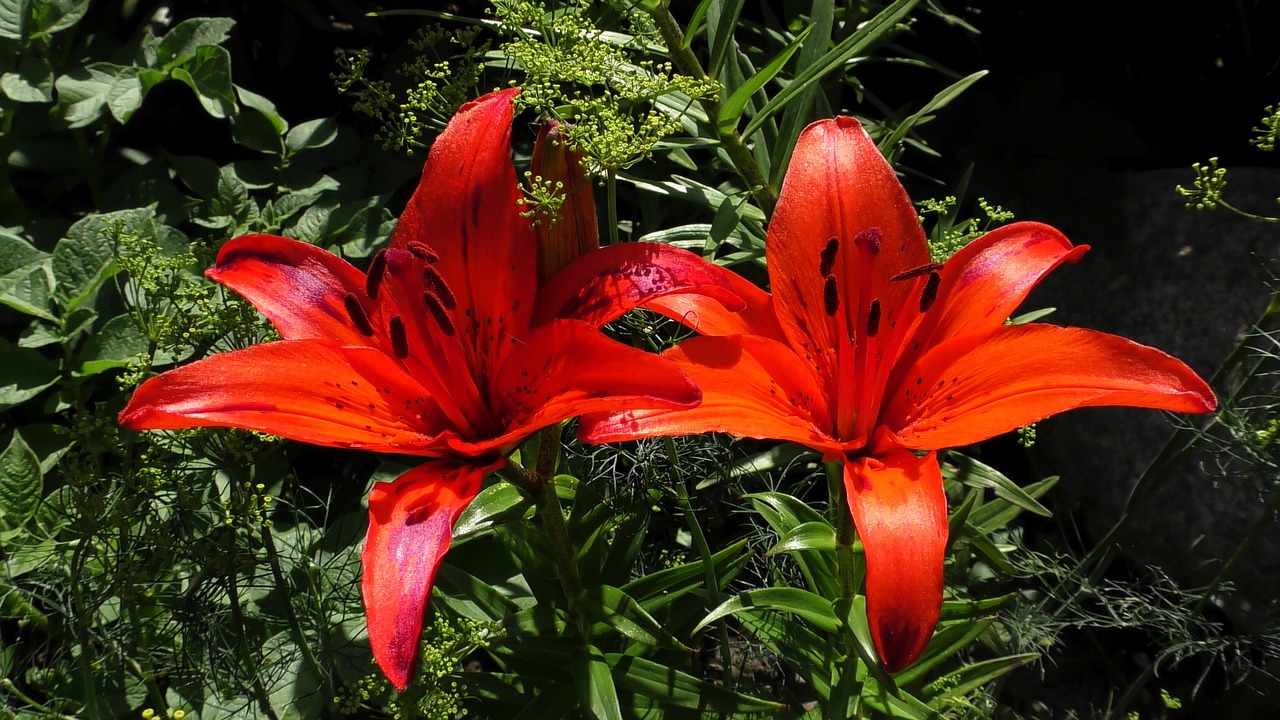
point(868, 352)
point(447, 348)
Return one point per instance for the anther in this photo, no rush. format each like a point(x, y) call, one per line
point(827, 259)
point(377, 268)
point(830, 296)
point(916, 272)
point(358, 317)
point(432, 301)
point(873, 319)
point(399, 342)
point(930, 291)
point(422, 251)
point(435, 284)
point(869, 239)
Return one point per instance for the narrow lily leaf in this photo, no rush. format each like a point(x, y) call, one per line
point(798, 112)
point(683, 578)
point(971, 677)
point(673, 688)
point(793, 641)
point(556, 702)
point(784, 513)
point(854, 613)
point(1032, 316)
point(945, 643)
point(596, 692)
point(984, 545)
point(814, 608)
point(615, 609)
point(978, 474)
point(495, 505)
point(967, 609)
point(998, 513)
point(956, 522)
point(724, 13)
point(732, 109)
point(482, 601)
point(895, 705)
point(938, 102)
point(873, 31)
point(817, 535)
point(695, 21)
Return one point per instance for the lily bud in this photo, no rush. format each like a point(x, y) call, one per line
point(571, 233)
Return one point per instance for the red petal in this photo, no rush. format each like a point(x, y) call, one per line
point(465, 209)
point(299, 287)
point(957, 395)
point(839, 186)
point(989, 278)
point(574, 232)
point(410, 527)
point(751, 387)
point(712, 318)
point(307, 390)
point(605, 284)
point(900, 510)
point(569, 368)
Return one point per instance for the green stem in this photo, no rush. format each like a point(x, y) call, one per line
point(611, 204)
point(247, 660)
point(82, 615)
point(9, 688)
point(846, 534)
point(1244, 213)
point(708, 565)
point(295, 627)
point(732, 143)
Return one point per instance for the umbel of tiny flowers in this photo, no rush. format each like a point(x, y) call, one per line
point(448, 347)
point(871, 354)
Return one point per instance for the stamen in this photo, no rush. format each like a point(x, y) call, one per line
point(830, 296)
point(435, 283)
point(422, 251)
point(358, 317)
point(869, 239)
point(377, 269)
point(827, 259)
point(930, 291)
point(432, 301)
point(399, 342)
point(918, 271)
point(873, 319)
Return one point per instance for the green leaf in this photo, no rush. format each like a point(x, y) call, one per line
point(84, 92)
point(499, 503)
point(871, 32)
point(797, 112)
point(814, 608)
point(615, 609)
point(817, 535)
point(724, 15)
point(260, 127)
point(1000, 512)
point(33, 83)
point(114, 345)
point(683, 578)
point(970, 677)
point(596, 692)
point(58, 15)
point(977, 474)
point(945, 643)
point(854, 615)
point(24, 277)
point(188, 37)
point(85, 258)
point(784, 514)
point(13, 18)
point(21, 483)
point(1032, 316)
point(24, 373)
point(671, 688)
point(209, 75)
point(732, 109)
point(966, 609)
point(938, 102)
point(311, 134)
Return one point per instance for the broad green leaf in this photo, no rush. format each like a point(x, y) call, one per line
point(614, 608)
point(970, 677)
point(817, 535)
point(496, 504)
point(21, 482)
point(114, 345)
point(871, 32)
point(208, 73)
point(260, 127)
point(24, 373)
point(83, 92)
point(596, 691)
point(25, 278)
point(124, 96)
point(13, 18)
point(263, 105)
point(732, 109)
point(188, 37)
point(672, 688)
point(33, 83)
point(811, 607)
point(58, 15)
point(311, 134)
point(85, 258)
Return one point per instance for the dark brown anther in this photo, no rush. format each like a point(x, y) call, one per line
point(873, 319)
point(358, 317)
point(422, 251)
point(432, 301)
point(435, 284)
point(399, 342)
point(930, 291)
point(827, 259)
point(869, 239)
point(830, 296)
point(377, 268)
point(916, 272)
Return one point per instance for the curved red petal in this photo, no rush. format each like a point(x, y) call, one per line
point(605, 284)
point(751, 387)
point(410, 527)
point(756, 316)
point(567, 368)
point(299, 287)
point(311, 391)
point(466, 211)
point(900, 510)
point(957, 395)
point(983, 283)
point(573, 232)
